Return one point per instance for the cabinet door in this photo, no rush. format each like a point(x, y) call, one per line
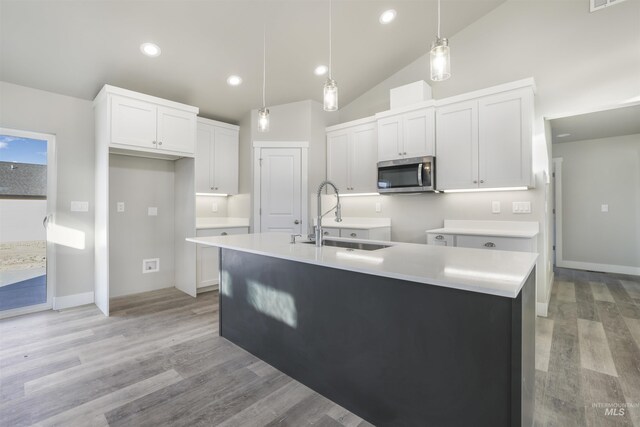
point(176, 131)
point(496, 243)
point(362, 159)
point(133, 122)
point(225, 161)
point(353, 233)
point(457, 146)
point(504, 123)
point(204, 149)
point(419, 133)
point(207, 269)
point(440, 239)
point(390, 138)
point(338, 159)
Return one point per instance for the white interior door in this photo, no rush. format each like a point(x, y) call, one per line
point(281, 190)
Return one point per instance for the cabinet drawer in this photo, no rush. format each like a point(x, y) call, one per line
point(354, 233)
point(207, 232)
point(498, 243)
point(331, 232)
point(440, 239)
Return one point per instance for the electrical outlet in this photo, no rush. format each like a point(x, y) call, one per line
point(152, 211)
point(378, 207)
point(120, 207)
point(604, 208)
point(214, 207)
point(495, 207)
point(79, 206)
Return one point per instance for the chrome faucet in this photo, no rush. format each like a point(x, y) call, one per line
point(318, 229)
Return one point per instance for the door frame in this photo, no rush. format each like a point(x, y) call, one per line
point(557, 194)
point(304, 186)
point(52, 176)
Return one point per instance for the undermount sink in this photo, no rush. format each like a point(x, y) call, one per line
point(365, 246)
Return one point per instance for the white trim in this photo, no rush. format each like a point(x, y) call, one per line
point(606, 268)
point(75, 300)
point(113, 90)
point(518, 84)
point(593, 109)
point(304, 185)
point(280, 144)
point(406, 109)
point(542, 309)
point(557, 170)
point(52, 191)
point(358, 122)
point(217, 123)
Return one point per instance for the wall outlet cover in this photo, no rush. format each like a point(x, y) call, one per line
point(79, 206)
point(151, 265)
point(120, 206)
point(495, 207)
point(152, 211)
point(378, 207)
point(214, 207)
point(604, 208)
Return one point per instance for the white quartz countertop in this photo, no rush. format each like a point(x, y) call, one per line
point(500, 273)
point(522, 229)
point(354, 222)
point(221, 222)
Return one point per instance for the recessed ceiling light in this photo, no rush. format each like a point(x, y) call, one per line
point(234, 80)
point(150, 49)
point(387, 16)
point(321, 70)
point(563, 135)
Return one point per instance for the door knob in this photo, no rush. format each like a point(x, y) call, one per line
point(296, 222)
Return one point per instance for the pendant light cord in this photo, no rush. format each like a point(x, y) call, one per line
point(438, 18)
point(264, 63)
point(330, 38)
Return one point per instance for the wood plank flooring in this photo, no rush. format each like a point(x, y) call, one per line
point(158, 361)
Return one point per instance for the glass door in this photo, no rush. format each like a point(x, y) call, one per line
point(24, 211)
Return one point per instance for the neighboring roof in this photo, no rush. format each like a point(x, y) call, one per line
point(23, 179)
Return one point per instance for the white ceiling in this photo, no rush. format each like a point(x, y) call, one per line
point(601, 124)
point(74, 47)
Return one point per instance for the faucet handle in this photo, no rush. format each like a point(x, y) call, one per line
point(293, 237)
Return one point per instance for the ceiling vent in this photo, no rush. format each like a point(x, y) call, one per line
point(601, 4)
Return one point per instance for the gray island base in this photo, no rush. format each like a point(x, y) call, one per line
point(394, 352)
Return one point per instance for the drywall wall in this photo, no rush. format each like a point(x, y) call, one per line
point(21, 220)
point(595, 173)
point(134, 235)
point(71, 120)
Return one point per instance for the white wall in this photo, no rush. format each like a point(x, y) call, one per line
point(204, 206)
point(71, 120)
point(133, 234)
point(21, 220)
point(597, 172)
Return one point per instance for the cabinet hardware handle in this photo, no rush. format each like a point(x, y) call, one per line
point(216, 188)
point(154, 142)
point(481, 181)
point(439, 237)
point(475, 181)
point(296, 222)
point(224, 233)
point(159, 142)
point(399, 154)
point(326, 233)
point(490, 245)
point(353, 234)
point(404, 154)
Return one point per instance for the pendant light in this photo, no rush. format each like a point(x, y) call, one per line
point(330, 86)
point(439, 57)
point(263, 113)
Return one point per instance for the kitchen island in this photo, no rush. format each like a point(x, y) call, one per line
point(406, 335)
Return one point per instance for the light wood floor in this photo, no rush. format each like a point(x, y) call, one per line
point(158, 361)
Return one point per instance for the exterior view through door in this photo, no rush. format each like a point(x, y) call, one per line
point(282, 191)
point(23, 218)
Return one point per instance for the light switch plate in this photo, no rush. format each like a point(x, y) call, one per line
point(378, 207)
point(214, 207)
point(604, 208)
point(495, 207)
point(152, 211)
point(120, 207)
point(521, 207)
point(79, 206)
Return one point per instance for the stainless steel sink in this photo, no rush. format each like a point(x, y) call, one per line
point(351, 245)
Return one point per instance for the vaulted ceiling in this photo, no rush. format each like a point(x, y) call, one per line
point(74, 47)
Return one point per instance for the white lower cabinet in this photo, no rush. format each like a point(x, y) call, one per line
point(496, 243)
point(207, 270)
point(331, 232)
point(440, 239)
point(354, 233)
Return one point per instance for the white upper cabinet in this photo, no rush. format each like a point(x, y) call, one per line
point(216, 160)
point(485, 142)
point(351, 156)
point(405, 135)
point(145, 125)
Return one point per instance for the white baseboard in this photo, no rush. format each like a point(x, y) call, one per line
point(74, 300)
point(606, 268)
point(210, 288)
point(542, 309)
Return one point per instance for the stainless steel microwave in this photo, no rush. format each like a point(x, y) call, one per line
point(412, 175)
